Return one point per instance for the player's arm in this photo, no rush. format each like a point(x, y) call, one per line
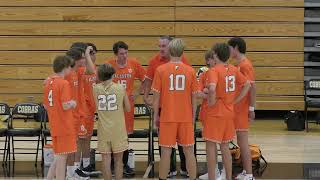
point(156, 105)
point(69, 105)
point(147, 84)
point(212, 94)
point(141, 73)
point(67, 102)
point(194, 106)
point(243, 93)
point(126, 103)
point(89, 64)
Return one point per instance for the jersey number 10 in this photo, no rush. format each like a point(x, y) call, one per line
point(177, 82)
point(107, 102)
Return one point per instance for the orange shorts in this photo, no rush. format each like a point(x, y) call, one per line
point(77, 124)
point(64, 144)
point(241, 120)
point(219, 129)
point(86, 126)
point(171, 133)
point(129, 117)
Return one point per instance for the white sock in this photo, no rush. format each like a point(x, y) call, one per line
point(70, 171)
point(86, 162)
point(77, 165)
point(249, 175)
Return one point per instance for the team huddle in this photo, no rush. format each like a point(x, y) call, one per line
point(78, 89)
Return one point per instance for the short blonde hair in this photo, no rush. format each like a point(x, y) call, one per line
point(176, 47)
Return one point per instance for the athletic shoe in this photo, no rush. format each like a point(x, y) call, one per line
point(89, 170)
point(184, 173)
point(172, 174)
point(127, 171)
point(244, 176)
point(78, 174)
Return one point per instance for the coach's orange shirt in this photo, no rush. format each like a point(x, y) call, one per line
point(157, 61)
point(126, 76)
point(227, 78)
point(88, 82)
point(175, 82)
point(57, 91)
point(76, 90)
point(246, 68)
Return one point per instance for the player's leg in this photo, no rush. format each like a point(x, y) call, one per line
point(190, 161)
point(61, 166)
point(106, 166)
point(226, 159)
point(129, 118)
point(167, 140)
point(242, 140)
point(186, 140)
point(211, 148)
point(118, 165)
point(52, 170)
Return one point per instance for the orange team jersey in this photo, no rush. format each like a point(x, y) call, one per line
point(175, 82)
point(157, 61)
point(57, 91)
point(204, 104)
point(88, 81)
point(226, 78)
point(126, 76)
point(76, 90)
point(246, 68)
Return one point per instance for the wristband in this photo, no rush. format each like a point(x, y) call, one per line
point(251, 108)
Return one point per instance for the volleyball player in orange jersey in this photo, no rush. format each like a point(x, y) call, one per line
point(163, 57)
point(245, 108)
point(58, 102)
point(218, 125)
point(127, 70)
point(82, 64)
point(175, 82)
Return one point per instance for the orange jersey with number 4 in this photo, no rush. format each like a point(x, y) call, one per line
point(175, 82)
point(57, 91)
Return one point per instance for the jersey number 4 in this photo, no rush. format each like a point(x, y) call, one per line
point(230, 83)
point(107, 102)
point(177, 82)
point(50, 98)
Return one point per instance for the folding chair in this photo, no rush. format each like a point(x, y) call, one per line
point(311, 98)
point(45, 132)
point(4, 111)
point(27, 112)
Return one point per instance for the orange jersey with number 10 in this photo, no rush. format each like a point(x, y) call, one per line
point(175, 82)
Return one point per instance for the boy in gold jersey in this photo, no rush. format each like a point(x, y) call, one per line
point(111, 103)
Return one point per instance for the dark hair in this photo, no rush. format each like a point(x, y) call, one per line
point(208, 54)
point(238, 42)
point(105, 72)
point(169, 38)
point(80, 45)
point(60, 63)
point(222, 51)
point(75, 53)
point(118, 45)
point(93, 46)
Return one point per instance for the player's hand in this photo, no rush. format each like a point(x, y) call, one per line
point(73, 103)
point(252, 116)
point(205, 90)
point(88, 51)
point(147, 101)
point(156, 120)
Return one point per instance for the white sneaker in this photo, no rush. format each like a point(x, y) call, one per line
point(172, 174)
point(223, 174)
point(206, 176)
point(245, 176)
